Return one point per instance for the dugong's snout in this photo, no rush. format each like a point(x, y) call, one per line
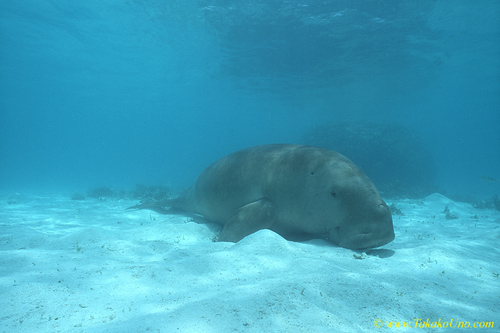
point(373, 229)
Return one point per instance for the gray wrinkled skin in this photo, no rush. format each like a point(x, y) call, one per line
point(292, 190)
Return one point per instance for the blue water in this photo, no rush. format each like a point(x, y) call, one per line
point(115, 93)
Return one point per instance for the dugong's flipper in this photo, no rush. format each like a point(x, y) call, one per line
point(257, 215)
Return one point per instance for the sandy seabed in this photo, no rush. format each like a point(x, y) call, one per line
point(92, 266)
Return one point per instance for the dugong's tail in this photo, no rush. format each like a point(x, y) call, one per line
point(161, 207)
point(169, 206)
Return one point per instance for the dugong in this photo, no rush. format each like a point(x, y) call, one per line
point(290, 189)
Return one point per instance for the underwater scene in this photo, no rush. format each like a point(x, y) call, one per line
point(249, 166)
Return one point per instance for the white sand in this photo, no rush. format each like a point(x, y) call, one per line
point(91, 266)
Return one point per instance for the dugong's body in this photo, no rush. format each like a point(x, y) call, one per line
point(290, 189)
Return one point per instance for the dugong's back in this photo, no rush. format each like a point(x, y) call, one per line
point(296, 189)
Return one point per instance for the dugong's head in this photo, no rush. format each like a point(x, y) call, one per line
point(361, 218)
point(343, 202)
point(367, 224)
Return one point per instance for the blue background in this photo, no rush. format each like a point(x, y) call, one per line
point(116, 93)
